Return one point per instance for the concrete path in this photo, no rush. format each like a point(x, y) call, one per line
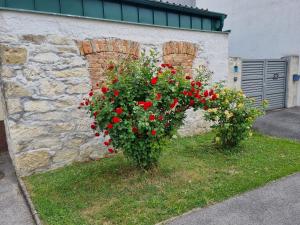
point(275, 204)
point(13, 209)
point(282, 123)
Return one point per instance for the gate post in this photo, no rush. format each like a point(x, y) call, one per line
point(293, 87)
point(235, 73)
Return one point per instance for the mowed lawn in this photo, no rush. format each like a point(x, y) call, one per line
point(192, 173)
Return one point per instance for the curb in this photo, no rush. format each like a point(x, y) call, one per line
point(26, 194)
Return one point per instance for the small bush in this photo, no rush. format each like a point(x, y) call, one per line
point(233, 115)
point(141, 104)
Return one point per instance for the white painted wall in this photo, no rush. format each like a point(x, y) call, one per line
point(214, 45)
point(260, 28)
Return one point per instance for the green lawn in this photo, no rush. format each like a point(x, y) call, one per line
point(192, 173)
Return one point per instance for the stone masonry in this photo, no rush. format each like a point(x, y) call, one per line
point(44, 77)
point(43, 80)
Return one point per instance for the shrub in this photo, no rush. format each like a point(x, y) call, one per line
point(141, 104)
point(233, 115)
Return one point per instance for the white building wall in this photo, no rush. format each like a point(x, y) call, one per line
point(260, 28)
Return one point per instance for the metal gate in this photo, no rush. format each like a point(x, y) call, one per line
point(265, 79)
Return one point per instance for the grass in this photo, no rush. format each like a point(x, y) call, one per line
point(192, 173)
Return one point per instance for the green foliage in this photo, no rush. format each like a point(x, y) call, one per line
point(141, 105)
point(233, 115)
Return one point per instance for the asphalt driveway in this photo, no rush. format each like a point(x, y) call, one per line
point(281, 123)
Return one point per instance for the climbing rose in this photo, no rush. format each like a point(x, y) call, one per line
point(134, 130)
point(106, 143)
point(173, 71)
point(154, 80)
point(97, 134)
point(104, 90)
point(93, 126)
point(110, 150)
point(91, 94)
point(153, 132)
point(160, 118)
point(116, 120)
point(116, 93)
point(206, 93)
point(188, 77)
point(152, 117)
point(106, 132)
point(110, 126)
point(158, 97)
point(119, 110)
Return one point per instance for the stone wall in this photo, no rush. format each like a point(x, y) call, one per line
point(48, 64)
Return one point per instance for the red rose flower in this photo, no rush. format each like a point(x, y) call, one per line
point(214, 97)
point(106, 132)
point(211, 92)
point(188, 77)
point(198, 83)
point(206, 93)
point(203, 100)
point(192, 102)
point(81, 103)
point(93, 126)
point(173, 71)
point(154, 80)
point(95, 114)
point(91, 93)
point(111, 67)
point(134, 130)
point(87, 102)
point(193, 83)
point(116, 93)
point(205, 108)
point(153, 132)
point(110, 126)
point(116, 120)
point(185, 92)
point(110, 150)
point(104, 90)
point(115, 80)
point(175, 101)
point(97, 134)
point(146, 105)
point(152, 117)
point(106, 143)
point(160, 118)
point(158, 96)
point(110, 141)
point(119, 110)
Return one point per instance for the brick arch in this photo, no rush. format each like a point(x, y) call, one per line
point(179, 53)
point(100, 52)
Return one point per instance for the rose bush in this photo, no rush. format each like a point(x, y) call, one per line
point(141, 104)
point(233, 115)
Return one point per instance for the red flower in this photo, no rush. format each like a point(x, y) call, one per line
point(110, 141)
point(111, 67)
point(173, 71)
point(153, 132)
point(205, 108)
point(193, 83)
point(158, 96)
point(175, 101)
point(166, 65)
point(110, 150)
point(192, 102)
point(95, 114)
point(160, 118)
point(97, 134)
point(119, 110)
point(91, 94)
point(203, 100)
point(110, 126)
point(211, 92)
point(154, 80)
point(214, 97)
point(188, 77)
point(146, 105)
point(93, 126)
point(87, 102)
point(198, 83)
point(106, 132)
point(81, 103)
point(116, 120)
point(206, 93)
point(134, 130)
point(115, 80)
point(116, 93)
point(185, 92)
point(104, 90)
point(152, 117)
point(106, 143)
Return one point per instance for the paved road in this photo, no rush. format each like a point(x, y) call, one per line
point(13, 209)
point(282, 123)
point(275, 204)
